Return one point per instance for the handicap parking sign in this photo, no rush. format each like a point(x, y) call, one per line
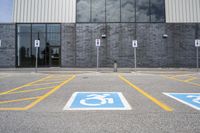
point(190, 99)
point(97, 101)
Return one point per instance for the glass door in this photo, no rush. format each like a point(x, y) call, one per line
point(54, 56)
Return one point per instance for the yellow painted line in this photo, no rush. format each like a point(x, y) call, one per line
point(19, 100)
point(11, 109)
point(49, 93)
point(180, 75)
point(55, 79)
point(195, 84)
point(190, 79)
point(30, 90)
point(20, 87)
point(49, 83)
point(159, 103)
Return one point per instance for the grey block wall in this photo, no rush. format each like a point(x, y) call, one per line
point(7, 50)
point(78, 44)
point(154, 51)
point(68, 46)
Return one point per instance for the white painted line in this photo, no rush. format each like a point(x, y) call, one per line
point(168, 94)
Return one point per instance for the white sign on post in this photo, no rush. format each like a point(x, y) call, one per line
point(134, 44)
point(0, 43)
point(197, 43)
point(98, 42)
point(37, 43)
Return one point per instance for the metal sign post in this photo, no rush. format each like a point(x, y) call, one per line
point(197, 45)
point(0, 43)
point(37, 45)
point(134, 45)
point(98, 44)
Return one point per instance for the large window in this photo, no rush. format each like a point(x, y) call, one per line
point(120, 11)
point(24, 45)
point(142, 11)
point(98, 10)
point(112, 10)
point(128, 11)
point(157, 11)
point(49, 36)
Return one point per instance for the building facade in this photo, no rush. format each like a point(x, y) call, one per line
point(68, 29)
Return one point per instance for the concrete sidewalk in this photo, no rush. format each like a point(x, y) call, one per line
point(85, 70)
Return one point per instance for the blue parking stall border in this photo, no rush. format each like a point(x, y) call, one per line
point(122, 99)
point(183, 101)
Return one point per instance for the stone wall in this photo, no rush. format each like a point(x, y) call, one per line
point(7, 50)
point(154, 51)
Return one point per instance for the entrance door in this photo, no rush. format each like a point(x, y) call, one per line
point(54, 56)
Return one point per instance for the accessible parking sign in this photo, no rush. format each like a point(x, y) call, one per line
point(190, 99)
point(97, 101)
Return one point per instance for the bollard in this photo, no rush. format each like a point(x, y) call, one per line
point(115, 66)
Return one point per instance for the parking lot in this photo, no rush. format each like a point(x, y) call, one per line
point(142, 101)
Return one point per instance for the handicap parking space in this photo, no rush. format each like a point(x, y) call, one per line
point(156, 85)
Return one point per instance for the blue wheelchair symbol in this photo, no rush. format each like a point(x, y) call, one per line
point(97, 101)
point(190, 99)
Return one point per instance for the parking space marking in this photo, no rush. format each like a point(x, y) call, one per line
point(30, 90)
point(49, 93)
point(97, 101)
point(153, 99)
point(38, 98)
point(190, 99)
point(188, 82)
point(28, 84)
point(19, 100)
point(44, 83)
point(190, 79)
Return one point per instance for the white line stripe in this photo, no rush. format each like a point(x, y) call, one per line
point(168, 94)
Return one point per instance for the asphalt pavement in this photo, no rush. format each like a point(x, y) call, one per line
point(34, 102)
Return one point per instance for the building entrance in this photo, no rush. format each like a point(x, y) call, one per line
point(54, 56)
point(49, 50)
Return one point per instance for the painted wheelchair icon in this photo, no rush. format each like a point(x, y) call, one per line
point(97, 101)
point(100, 98)
point(195, 99)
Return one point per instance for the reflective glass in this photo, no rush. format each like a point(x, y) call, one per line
point(24, 49)
point(142, 11)
point(112, 10)
point(128, 10)
point(53, 28)
point(157, 10)
point(83, 11)
point(24, 28)
point(98, 10)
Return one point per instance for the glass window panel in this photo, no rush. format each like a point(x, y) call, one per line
point(38, 28)
point(98, 10)
point(128, 10)
point(53, 39)
point(157, 11)
point(142, 11)
point(24, 49)
point(112, 10)
point(83, 11)
point(41, 50)
point(24, 28)
point(53, 28)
